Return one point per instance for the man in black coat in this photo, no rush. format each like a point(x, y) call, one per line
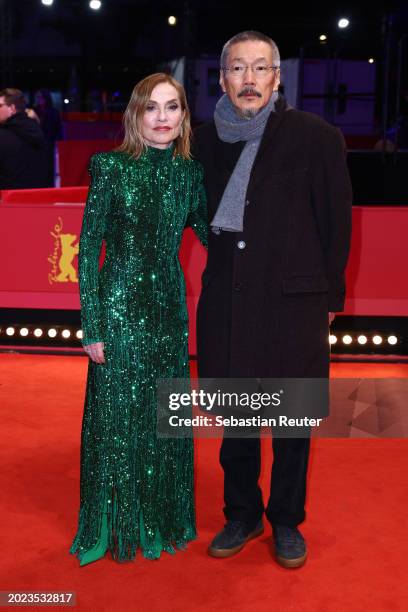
point(279, 206)
point(23, 163)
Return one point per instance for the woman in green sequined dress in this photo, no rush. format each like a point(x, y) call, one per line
point(136, 488)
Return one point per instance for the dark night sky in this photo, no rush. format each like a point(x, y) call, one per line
point(126, 39)
point(126, 27)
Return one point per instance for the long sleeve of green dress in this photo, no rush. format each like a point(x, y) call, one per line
point(198, 217)
point(92, 234)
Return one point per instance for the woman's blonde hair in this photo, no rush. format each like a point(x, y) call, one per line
point(133, 142)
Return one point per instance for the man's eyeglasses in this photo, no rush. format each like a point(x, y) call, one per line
point(238, 70)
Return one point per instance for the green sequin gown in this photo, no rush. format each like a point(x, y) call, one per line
point(136, 305)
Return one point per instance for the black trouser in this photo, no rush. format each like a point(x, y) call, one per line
point(241, 461)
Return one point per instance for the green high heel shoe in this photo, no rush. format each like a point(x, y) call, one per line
point(99, 550)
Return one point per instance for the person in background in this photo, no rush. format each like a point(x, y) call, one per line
point(23, 162)
point(51, 125)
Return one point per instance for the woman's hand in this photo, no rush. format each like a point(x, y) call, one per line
point(95, 352)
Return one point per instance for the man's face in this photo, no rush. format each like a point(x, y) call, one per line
point(6, 111)
point(250, 81)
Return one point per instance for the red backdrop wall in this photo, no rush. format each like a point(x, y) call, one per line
point(39, 232)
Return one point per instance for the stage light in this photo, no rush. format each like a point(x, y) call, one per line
point(52, 332)
point(66, 101)
point(343, 23)
point(332, 339)
point(23, 331)
point(347, 339)
point(65, 333)
point(392, 339)
point(10, 331)
point(362, 339)
point(79, 334)
point(38, 332)
point(377, 340)
point(371, 60)
point(322, 37)
point(47, 2)
point(172, 20)
point(95, 5)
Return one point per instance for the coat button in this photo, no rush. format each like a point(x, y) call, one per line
point(246, 202)
point(241, 244)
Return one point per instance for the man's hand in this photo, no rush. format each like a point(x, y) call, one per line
point(331, 317)
point(95, 352)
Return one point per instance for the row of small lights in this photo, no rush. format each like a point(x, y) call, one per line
point(342, 23)
point(66, 333)
point(38, 332)
point(347, 339)
point(93, 4)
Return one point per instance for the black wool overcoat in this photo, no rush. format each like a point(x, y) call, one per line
point(267, 291)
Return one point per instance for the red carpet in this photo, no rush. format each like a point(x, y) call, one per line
point(356, 526)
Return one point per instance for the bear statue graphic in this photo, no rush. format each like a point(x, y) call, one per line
point(66, 248)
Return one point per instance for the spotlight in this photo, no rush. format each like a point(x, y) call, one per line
point(392, 339)
point(10, 331)
point(66, 101)
point(52, 332)
point(347, 339)
point(332, 339)
point(172, 20)
point(371, 60)
point(362, 339)
point(95, 5)
point(66, 333)
point(343, 23)
point(23, 331)
point(47, 2)
point(38, 332)
point(322, 37)
point(377, 340)
point(79, 334)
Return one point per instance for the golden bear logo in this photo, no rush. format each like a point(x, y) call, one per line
point(61, 259)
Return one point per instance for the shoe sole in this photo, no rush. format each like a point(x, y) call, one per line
point(291, 563)
point(223, 553)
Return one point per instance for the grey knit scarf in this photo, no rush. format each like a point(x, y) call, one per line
point(232, 128)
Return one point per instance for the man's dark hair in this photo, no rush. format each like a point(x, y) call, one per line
point(14, 96)
point(250, 35)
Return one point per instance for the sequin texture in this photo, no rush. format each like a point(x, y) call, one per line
point(136, 305)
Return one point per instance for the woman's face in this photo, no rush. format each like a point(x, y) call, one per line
point(161, 122)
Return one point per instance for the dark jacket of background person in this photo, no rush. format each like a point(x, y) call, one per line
point(263, 310)
point(23, 163)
